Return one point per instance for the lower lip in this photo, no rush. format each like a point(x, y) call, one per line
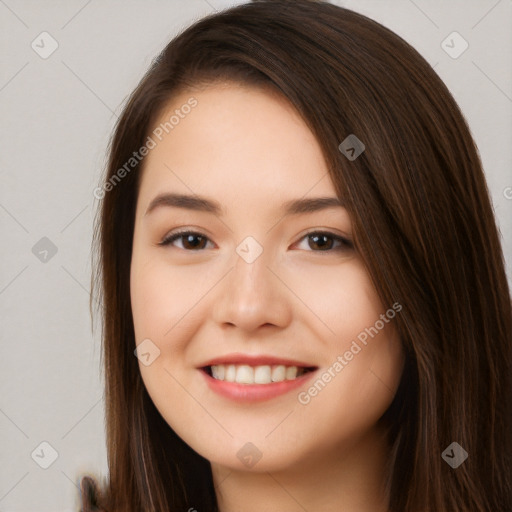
point(254, 392)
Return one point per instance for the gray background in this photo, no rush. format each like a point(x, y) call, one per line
point(57, 116)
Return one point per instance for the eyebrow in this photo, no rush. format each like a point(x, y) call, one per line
point(203, 204)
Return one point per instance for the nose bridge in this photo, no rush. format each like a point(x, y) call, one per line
point(250, 275)
point(251, 295)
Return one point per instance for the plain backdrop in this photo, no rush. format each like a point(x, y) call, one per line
point(57, 115)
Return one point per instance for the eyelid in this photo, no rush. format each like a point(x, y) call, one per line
point(175, 235)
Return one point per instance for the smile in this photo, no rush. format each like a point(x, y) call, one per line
point(246, 374)
point(246, 378)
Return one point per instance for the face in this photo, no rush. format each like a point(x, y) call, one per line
point(265, 344)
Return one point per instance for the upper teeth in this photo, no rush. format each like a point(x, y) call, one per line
point(245, 374)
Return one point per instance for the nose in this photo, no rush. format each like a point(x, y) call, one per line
point(252, 296)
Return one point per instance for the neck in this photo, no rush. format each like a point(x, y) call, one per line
point(344, 480)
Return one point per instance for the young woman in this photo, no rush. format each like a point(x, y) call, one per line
point(305, 306)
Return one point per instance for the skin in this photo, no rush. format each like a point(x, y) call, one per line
point(249, 150)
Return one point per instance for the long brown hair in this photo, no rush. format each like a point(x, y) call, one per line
point(423, 224)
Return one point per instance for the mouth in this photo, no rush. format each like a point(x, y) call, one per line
point(247, 378)
point(260, 375)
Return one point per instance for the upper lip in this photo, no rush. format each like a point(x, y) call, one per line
point(255, 360)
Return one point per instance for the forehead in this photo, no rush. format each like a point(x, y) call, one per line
point(238, 143)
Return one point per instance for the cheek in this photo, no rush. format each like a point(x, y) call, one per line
point(161, 300)
point(368, 342)
point(160, 297)
point(342, 297)
point(354, 389)
point(363, 356)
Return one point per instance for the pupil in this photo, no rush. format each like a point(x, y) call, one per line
point(324, 237)
point(192, 237)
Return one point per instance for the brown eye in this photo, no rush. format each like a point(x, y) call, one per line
point(318, 241)
point(321, 241)
point(191, 240)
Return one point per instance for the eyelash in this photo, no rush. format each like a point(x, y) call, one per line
point(346, 244)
